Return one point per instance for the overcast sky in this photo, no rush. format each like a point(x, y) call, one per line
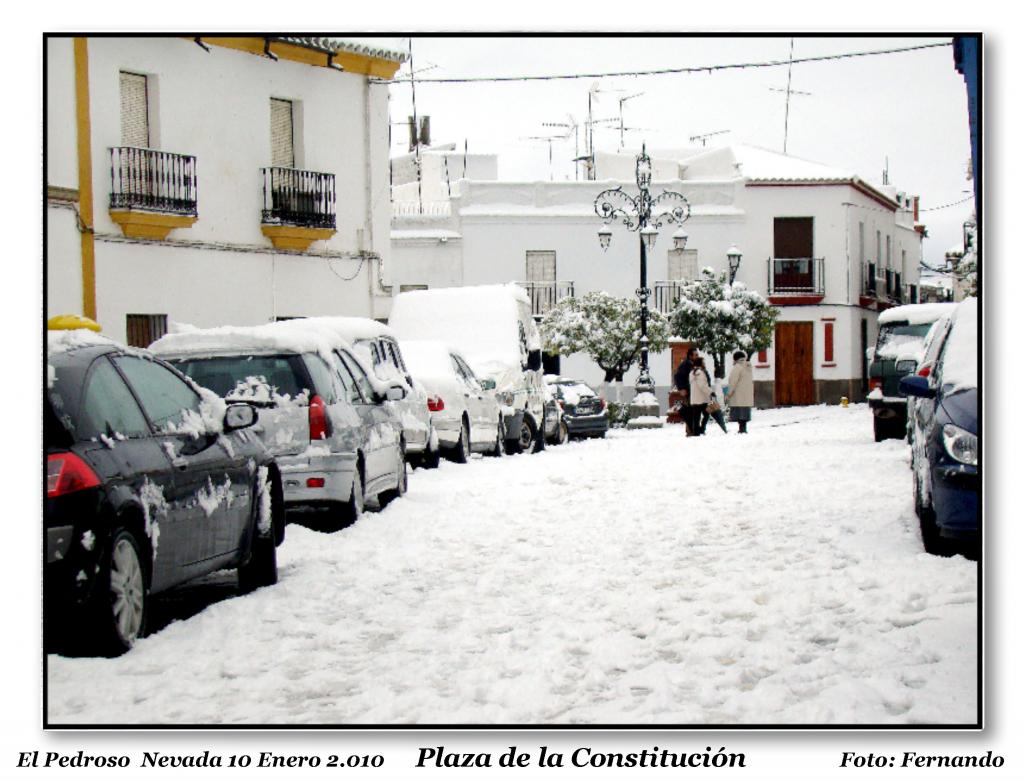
point(910, 107)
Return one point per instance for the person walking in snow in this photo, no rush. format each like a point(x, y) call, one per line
point(700, 395)
point(740, 397)
point(682, 382)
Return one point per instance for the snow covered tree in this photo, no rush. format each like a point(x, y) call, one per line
point(720, 318)
point(605, 328)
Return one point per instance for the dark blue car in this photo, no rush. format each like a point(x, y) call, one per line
point(946, 440)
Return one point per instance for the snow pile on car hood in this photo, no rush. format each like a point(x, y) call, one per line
point(960, 359)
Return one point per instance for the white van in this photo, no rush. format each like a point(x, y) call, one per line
point(493, 327)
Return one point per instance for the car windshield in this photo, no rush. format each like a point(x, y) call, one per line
point(236, 375)
point(898, 339)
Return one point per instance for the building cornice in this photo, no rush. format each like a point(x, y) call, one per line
point(350, 62)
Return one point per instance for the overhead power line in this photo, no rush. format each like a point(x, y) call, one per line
point(947, 205)
point(663, 71)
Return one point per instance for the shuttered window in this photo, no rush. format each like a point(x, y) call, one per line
point(134, 110)
point(143, 330)
point(282, 146)
point(794, 237)
point(682, 264)
point(540, 266)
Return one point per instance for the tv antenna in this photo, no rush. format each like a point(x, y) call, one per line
point(550, 140)
point(703, 137)
point(571, 129)
point(789, 91)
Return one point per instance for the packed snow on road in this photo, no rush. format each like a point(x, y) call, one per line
point(648, 578)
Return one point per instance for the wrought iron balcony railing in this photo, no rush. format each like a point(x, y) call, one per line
point(870, 280)
point(544, 295)
point(666, 294)
point(796, 276)
point(150, 180)
point(301, 198)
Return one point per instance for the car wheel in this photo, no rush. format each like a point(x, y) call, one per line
point(460, 453)
point(261, 568)
point(499, 441)
point(527, 433)
point(387, 497)
point(563, 433)
point(122, 599)
point(352, 510)
point(539, 441)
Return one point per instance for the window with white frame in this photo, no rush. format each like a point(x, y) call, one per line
point(682, 264)
point(540, 266)
point(282, 134)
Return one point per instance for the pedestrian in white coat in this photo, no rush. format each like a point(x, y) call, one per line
point(740, 397)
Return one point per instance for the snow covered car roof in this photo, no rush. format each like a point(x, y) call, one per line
point(188, 340)
point(63, 341)
point(915, 314)
point(428, 358)
point(960, 354)
point(493, 341)
point(350, 329)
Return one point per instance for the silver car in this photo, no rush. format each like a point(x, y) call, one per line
point(332, 434)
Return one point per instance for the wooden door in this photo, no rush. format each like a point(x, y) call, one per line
point(794, 363)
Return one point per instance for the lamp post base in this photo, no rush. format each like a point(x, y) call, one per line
point(645, 412)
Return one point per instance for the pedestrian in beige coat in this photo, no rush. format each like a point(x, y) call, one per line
point(700, 395)
point(740, 397)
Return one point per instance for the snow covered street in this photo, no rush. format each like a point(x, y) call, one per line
point(771, 578)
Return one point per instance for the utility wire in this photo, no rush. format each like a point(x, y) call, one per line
point(947, 205)
point(663, 71)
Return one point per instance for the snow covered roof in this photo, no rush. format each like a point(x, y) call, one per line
point(764, 166)
point(348, 329)
point(960, 362)
point(186, 339)
point(385, 48)
point(915, 314)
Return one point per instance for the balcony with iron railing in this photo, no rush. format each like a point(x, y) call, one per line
point(152, 192)
point(298, 207)
point(796, 281)
point(666, 294)
point(544, 295)
point(883, 288)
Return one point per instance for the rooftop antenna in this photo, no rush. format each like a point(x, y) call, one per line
point(885, 171)
point(550, 140)
point(789, 91)
point(703, 137)
point(416, 138)
point(622, 128)
point(571, 129)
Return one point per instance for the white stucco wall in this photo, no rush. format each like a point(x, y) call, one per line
point(63, 262)
point(215, 105)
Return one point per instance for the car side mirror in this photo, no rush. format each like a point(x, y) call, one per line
point(533, 361)
point(394, 393)
point(917, 386)
point(239, 416)
point(488, 384)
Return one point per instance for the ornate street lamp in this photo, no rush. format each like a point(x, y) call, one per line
point(734, 256)
point(679, 239)
point(644, 215)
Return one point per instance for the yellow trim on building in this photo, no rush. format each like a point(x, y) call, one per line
point(350, 61)
point(147, 225)
point(83, 127)
point(292, 237)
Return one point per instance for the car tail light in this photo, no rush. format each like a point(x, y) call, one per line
point(924, 371)
point(604, 404)
point(875, 383)
point(66, 472)
point(315, 482)
point(319, 425)
point(560, 404)
point(435, 404)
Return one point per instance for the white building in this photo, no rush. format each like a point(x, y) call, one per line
point(215, 180)
point(829, 249)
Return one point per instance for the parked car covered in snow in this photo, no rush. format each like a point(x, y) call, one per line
point(897, 351)
point(376, 345)
point(946, 445)
point(555, 430)
point(150, 482)
point(929, 352)
point(334, 439)
point(584, 412)
point(465, 414)
point(493, 328)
